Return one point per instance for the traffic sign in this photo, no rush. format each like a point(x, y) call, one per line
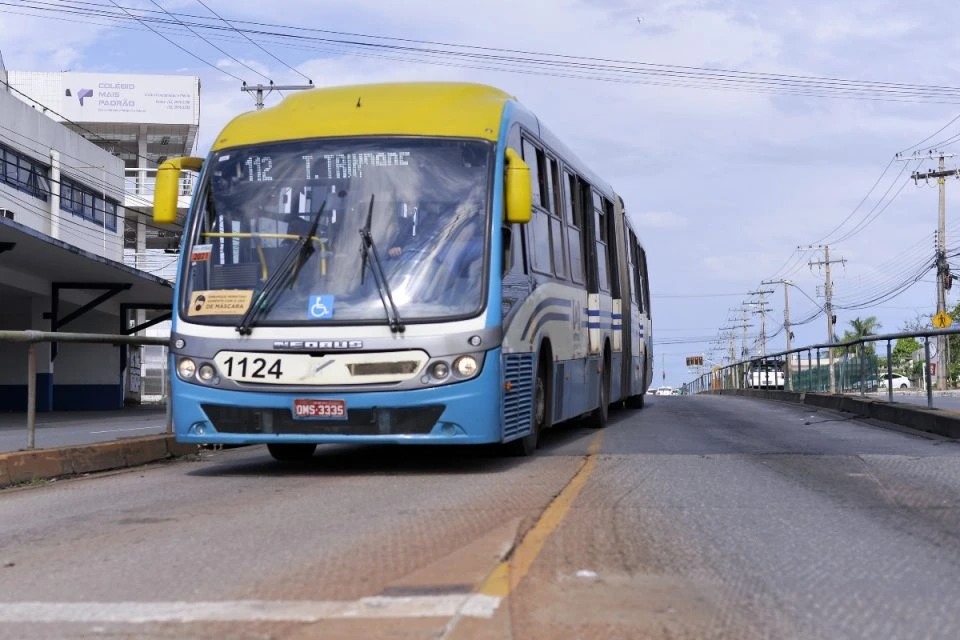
point(942, 320)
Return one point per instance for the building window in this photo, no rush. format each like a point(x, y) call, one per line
point(86, 203)
point(24, 174)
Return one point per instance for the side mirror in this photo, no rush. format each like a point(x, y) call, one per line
point(518, 191)
point(166, 192)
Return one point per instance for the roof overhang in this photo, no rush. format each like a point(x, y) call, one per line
point(32, 259)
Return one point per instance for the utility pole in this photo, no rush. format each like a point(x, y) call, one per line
point(728, 337)
point(788, 385)
point(744, 325)
point(943, 268)
point(270, 88)
point(828, 307)
point(731, 337)
point(738, 322)
point(762, 312)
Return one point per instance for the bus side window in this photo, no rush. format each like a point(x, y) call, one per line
point(601, 233)
point(645, 282)
point(574, 222)
point(506, 258)
point(556, 221)
point(545, 230)
point(635, 272)
point(532, 155)
point(538, 234)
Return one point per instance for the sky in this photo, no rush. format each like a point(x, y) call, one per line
point(729, 184)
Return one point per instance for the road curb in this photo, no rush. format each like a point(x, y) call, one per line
point(939, 421)
point(17, 467)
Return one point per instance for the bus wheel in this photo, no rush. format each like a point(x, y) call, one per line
point(291, 452)
point(635, 402)
point(601, 415)
point(528, 444)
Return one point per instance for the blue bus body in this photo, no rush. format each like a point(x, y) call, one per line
point(538, 347)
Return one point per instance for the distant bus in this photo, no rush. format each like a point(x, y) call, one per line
point(400, 263)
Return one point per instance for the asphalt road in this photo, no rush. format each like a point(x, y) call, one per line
point(698, 517)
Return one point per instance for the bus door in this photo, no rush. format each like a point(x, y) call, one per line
point(599, 310)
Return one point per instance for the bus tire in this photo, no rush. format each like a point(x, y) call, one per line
point(635, 402)
point(601, 415)
point(527, 445)
point(291, 451)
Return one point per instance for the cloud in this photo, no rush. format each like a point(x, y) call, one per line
point(754, 175)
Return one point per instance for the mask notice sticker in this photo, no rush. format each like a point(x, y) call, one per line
point(220, 302)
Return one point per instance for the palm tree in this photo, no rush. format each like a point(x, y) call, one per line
point(862, 329)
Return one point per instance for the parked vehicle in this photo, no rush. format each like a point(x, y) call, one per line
point(664, 391)
point(765, 375)
point(895, 380)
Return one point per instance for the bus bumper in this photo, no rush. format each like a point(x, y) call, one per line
point(460, 413)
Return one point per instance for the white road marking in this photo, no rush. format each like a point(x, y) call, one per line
point(471, 605)
point(159, 426)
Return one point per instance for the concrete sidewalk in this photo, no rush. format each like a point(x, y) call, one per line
point(77, 442)
point(939, 421)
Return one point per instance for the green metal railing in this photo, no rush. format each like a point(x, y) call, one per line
point(856, 367)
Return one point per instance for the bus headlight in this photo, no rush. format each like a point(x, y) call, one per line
point(465, 366)
point(440, 370)
point(186, 368)
point(206, 372)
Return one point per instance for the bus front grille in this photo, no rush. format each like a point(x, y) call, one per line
point(359, 422)
point(518, 371)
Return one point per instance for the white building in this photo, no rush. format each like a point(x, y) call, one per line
point(78, 153)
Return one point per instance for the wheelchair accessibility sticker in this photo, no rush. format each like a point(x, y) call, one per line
point(320, 307)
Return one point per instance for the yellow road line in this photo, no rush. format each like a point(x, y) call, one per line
point(509, 573)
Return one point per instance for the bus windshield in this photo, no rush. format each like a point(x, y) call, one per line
point(425, 200)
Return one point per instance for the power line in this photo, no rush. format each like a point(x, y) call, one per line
point(191, 30)
point(184, 49)
point(102, 186)
point(254, 42)
point(90, 134)
point(874, 212)
point(938, 131)
point(574, 66)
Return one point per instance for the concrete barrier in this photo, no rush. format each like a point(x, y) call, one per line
point(939, 421)
point(18, 467)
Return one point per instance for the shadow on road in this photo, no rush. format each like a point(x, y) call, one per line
point(569, 438)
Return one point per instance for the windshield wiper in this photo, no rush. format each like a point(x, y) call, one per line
point(286, 271)
point(383, 287)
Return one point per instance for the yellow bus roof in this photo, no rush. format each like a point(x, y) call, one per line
point(422, 108)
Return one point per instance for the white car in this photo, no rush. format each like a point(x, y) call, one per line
point(664, 391)
point(895, 380)
point(764, 376)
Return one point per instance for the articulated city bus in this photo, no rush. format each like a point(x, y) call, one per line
point(400, 263)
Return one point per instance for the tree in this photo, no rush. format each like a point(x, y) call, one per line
point(919, 323)
point(866, 355)
point(953, 347)
point(862, 329)
point(902, 351)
